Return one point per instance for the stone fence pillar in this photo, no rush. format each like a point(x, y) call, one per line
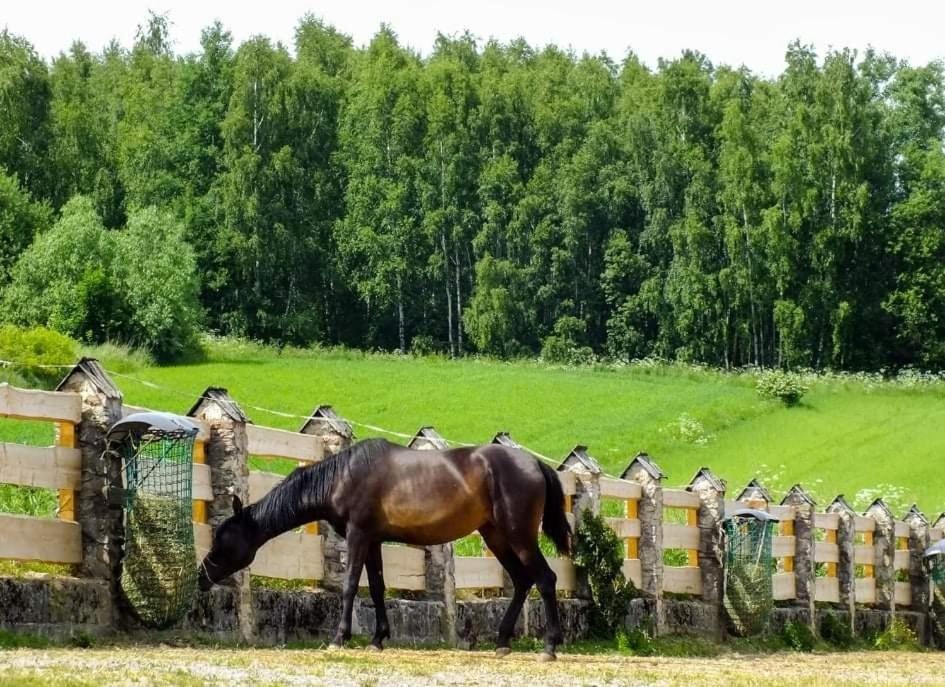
point(803, 567)
point(645, 472)
point(586, 500)
point(227, 455)
point(102, 527)
point(846, 568)
point(884, 549)
point(438, 559)
point(336, 435)
point(711, 492)
point(919, 541)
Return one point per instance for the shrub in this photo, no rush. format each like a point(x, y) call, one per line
point(798, 636)
point(564, 346)
point(836, 631)
point(36, 348)
point(898, 636)
point(783, 386)
point(599, 553)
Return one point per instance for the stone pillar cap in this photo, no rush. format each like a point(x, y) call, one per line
point(428, 433)
point(96, 374)
point(840, 503)
point(327, 414)
point(503, 439)
point(754, 487)
point(880, 505)
point(581, 458)
point(915, 514)
point(798, 491)
point(220, 396)
point(648, 464)
point(706, 474)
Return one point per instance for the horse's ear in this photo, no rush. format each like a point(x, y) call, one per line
point(237, 505)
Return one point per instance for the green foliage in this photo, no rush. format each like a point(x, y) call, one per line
point(599, 554)
point(798, 636)
point(835, 630)
point(20, 220)
point(897, 637)
point(33, 350)
point(783, 386)
point(564, 346)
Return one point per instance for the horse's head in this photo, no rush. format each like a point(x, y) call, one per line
point(234, 547)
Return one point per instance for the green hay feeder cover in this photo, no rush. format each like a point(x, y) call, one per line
point(159, 568)
point(749, 567)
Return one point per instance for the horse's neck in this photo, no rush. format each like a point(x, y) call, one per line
point(287, 507)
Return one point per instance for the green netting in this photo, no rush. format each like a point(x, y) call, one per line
point(749, 566)
point(159, 571)
point(937, 606)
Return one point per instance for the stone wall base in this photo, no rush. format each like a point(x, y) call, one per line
point(55, 607)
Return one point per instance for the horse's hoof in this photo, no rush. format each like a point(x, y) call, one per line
point(374, 647)
point(502, 652)
point(335, 647)
point(545, 657)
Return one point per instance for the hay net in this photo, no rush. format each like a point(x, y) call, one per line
point(935, 565)
point(159, 570)
point(749, 567)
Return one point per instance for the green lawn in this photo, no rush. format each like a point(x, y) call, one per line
point(845, 437)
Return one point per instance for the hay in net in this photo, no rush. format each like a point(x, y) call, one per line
point(159, 569)
point(749, 566)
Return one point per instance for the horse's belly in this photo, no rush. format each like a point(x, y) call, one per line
point(432, 526)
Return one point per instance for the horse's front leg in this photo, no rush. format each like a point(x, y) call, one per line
point(358, 547)
point(375, 571)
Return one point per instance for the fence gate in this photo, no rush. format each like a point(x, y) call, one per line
point(749, 568)
point(159, 570)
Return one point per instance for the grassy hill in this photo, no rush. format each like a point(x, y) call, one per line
point(847, 436)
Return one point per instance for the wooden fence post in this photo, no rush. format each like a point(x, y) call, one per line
point(846, 568)
point(645, 472)
point(101, 526)
point(438, 560)
point(802, 565)
point(336, 435)
point(227, 455)
point(586, 501)
point(884, 547)
point(711, 492)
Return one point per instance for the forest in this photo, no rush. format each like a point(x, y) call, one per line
point(501, 199)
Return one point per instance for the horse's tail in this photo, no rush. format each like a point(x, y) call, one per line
point(554, 523)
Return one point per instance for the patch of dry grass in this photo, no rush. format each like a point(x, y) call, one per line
point(186, 667)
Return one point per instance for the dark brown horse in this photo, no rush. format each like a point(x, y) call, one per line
point(378, 492)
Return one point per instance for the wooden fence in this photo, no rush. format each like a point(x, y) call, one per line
point(301, 555)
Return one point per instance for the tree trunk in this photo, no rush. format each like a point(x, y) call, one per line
point(400, 313)
point(459, 305)
point(449, 294)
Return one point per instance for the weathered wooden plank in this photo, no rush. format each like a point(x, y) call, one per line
point(864, 590)
point(783, 513)
point(572, 521)
point(478, 573)
point(623, 527)
point(632, 570)
point(33, 404)
point(677, 498)
point(291, 556)
point(266, 441)
point(25, 538)
point(203, 539)
point(680, 536)
point(568, 482)
point(902, 529)
point(827, 589)
point(783, 546)
point(261, 483)
point(782, 585)
point(564, 569)
point(903, 594)
point(201, 487)
point(403, 568)
point(901, 559)
point(686, 580)
point(861, 523)
point(826, 552)
point(827, 521)
point(864, 554)
point(50, 467)
point(619, 489)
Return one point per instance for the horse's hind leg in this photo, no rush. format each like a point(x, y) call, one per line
point(545, 579)
point(375, 571)
point(521, 581)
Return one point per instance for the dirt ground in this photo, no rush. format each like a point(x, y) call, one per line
point(361, 668)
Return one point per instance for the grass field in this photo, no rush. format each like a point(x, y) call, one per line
point(847, 436)
point(359, 668)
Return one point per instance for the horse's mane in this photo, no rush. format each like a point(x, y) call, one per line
point(309, 487)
